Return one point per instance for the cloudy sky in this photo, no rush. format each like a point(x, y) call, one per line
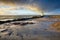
point(29, 7)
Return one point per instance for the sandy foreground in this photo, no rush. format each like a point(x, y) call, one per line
point(34, 29)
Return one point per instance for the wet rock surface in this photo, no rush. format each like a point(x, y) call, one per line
point(34, 29)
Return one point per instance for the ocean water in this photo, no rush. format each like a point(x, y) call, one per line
point(15, 16)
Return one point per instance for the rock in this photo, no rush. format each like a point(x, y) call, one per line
point(5, 33)
point(3, 30)
point(23, 24)
point(37, 16)
point(30, 22)
point(16, 23)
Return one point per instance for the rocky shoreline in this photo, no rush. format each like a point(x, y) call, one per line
point(28, 29)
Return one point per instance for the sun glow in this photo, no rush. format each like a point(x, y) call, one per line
point(4, 8)
point(36, 9)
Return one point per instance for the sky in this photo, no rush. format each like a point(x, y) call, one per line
point(29, 7)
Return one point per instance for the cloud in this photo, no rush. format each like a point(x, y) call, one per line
point(45, 5)
point(54, 12)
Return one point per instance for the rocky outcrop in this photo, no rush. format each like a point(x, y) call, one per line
point(19, 19)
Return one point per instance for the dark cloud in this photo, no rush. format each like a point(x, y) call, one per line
point(49, 5)
point(46, 5)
